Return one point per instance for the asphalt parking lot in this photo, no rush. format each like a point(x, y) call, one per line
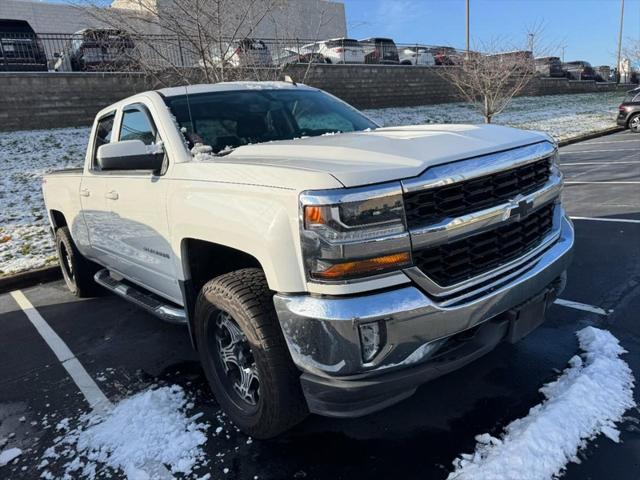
point(126, 350)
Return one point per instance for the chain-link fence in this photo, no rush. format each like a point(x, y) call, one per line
point(116, 51)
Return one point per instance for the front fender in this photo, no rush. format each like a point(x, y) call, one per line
point(258, 220)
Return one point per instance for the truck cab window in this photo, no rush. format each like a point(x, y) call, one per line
point(137, 126)
point(104, 132)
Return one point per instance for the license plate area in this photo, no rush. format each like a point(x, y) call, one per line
point(527, 318)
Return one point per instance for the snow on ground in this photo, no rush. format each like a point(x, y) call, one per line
point(9, 455)
point(25, 156)
point(138, 435)
point(561, 116)
point(588, 399)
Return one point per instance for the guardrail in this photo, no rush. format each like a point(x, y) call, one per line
point(115, 51)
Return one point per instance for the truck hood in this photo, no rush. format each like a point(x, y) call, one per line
point(385, 154)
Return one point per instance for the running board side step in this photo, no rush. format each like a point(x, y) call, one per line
point(143, 299)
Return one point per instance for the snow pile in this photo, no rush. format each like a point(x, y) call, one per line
point(138, 435)
point(587, 399)
point(201, 152)
point(9, 455)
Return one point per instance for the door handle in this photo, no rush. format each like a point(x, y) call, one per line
point(84, 192)
point(112, 195)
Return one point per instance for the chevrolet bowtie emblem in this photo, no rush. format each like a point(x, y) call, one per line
point(522, 208)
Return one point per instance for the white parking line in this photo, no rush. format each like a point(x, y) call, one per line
point(599, 163)
point(581, 306)
point(596, 219)
point(602, 183)
point(599, 151)
point(612, 141)
point(98, 401)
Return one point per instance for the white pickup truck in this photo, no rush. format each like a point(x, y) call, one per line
point(321, 263)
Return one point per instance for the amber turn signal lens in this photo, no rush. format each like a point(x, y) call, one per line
point(313, 215)
point(360, 267)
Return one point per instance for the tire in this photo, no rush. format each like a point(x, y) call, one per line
point(272, 401)
point(634, 123)
point(77, 271)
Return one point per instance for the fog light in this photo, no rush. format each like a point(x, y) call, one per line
point(370, 340)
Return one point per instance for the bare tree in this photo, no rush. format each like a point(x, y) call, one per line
point(489, 80)
point(187, 41)
point(194, 41)
point(632, 52)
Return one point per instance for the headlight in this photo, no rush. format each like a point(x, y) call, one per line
point(354, 233)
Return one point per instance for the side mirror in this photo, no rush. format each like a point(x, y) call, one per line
point(57, 55)
point(130, 155)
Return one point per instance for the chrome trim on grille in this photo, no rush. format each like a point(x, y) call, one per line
point(477, 222)
point(437, 290)
point(481, 166)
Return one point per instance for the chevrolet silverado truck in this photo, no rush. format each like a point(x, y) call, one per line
point(321, 263)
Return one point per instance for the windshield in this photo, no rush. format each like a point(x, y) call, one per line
point(224, 120)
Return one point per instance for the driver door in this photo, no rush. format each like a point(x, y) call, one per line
point(137, 201)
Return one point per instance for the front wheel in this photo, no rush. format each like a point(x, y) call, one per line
point(244, 354)
point(634, 123)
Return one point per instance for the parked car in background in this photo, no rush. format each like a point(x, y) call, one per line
point(629, 111)
point(380, 50)
point(518, 60)
point(579, 70)
point(338, 50)
point(416, 55)
point(248, 52)
point(251, 52)
point(20, 48)
point(549, 67)
point(445, 55)
point(603, 73)
point(294, 55)
point(97, 50)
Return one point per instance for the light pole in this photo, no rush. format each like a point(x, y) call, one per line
point(620, 41)
point(467, 28)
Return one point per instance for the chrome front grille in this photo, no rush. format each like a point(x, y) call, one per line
point(433, 205)
point(450, 263)
point(475, 221)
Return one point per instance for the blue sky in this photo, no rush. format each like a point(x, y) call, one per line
point(587, 28)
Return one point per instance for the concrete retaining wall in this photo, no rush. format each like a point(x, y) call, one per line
point(377, 86)
point(49, 100)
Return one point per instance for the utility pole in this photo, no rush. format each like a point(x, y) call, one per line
point(467, 28)
point(620, 41)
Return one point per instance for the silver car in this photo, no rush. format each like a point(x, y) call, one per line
point(416, 55)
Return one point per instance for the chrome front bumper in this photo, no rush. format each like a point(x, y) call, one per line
point(323, 336)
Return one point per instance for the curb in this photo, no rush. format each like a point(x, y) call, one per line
point(29, 278)
point(589, 136)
